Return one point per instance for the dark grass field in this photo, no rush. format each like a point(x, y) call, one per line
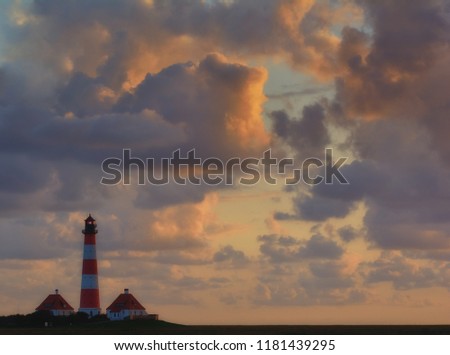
point(139, 327)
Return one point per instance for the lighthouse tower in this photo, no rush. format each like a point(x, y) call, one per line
point(89, 298)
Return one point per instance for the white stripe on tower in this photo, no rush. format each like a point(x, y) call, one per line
point(89, 252)
point(89, 282)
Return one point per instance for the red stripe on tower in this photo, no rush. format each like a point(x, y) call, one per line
point(90, 296)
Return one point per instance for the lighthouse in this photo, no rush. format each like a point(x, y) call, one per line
point(89, 297)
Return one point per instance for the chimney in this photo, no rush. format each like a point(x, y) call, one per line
point(56, 291)
point(125, 290)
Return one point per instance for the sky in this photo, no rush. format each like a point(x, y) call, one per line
point(82, 80)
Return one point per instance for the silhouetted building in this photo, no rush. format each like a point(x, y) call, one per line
point(56, 304)
point(126, 306)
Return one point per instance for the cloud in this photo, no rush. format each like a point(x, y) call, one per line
point(45, 236)
point(80, 81)
point(279, 249)
point(22, 175)
point(285, 249)
point(401, 182)
point(320, 247)
point(408, 210)
point(86, 96)
point(321, 208)
point(86, 130)
point(122, 52)
point(180, 232)
point(181, 227)
point(161, 196)
point(405, 44)
point(162, 283)
point(228, 255)
point(181, 257)
point(117, 89)
point(176, 235)
point(308, 136)
point(207, 106)
point(38, 279)
point(220, 102)
point(405, 274)
point(348, 233)
point(398, 63)
point(396, 128)
point(68, 102)
point(319, 283)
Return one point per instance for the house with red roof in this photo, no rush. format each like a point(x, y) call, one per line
point(56, 304)
point(125, 306)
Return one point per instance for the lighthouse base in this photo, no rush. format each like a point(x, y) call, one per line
point(91, 312)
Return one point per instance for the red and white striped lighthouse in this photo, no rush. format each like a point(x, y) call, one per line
point(90, 297)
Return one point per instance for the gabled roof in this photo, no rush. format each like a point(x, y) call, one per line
point(54, 302)
point(125, 301)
